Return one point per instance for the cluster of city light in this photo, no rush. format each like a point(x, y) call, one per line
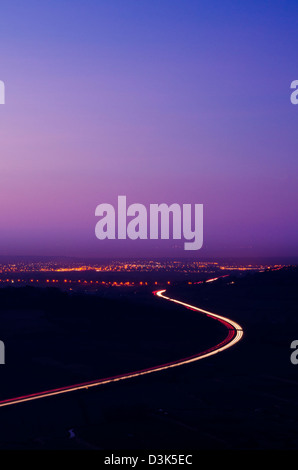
point(78, 281)
point(182, 266)
point(251, 267)
point(111, 266)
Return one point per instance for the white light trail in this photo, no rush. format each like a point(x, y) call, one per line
point(234, 335)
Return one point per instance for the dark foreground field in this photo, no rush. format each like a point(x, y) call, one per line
point(243, 398)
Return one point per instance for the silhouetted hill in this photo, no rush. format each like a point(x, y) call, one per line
point(242, 398)
point(54, 338)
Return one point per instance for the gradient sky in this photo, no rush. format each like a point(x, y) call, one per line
point(160, 100)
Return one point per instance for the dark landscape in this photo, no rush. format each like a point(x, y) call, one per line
point(242, 398)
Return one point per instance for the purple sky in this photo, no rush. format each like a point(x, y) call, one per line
point(161, 101)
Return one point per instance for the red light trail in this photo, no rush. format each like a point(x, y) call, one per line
point(234, 335)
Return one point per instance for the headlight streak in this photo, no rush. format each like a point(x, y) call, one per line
point(234, 335)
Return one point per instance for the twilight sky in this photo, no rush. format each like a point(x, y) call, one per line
point(160, 100)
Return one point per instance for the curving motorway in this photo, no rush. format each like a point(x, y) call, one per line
point(234, 335)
